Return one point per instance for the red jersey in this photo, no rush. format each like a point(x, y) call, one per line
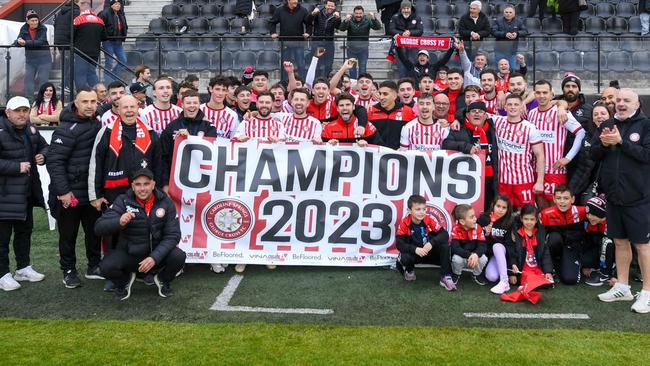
point(158, 119)
point(299, 129)
point(344, 131)
point(430, 223)
point(418, 136)
point(225, 120)
point(573, 217)
point(453, 96)
point(260, 128)
point(325, 112)
point(515, 141)
point(597, 229)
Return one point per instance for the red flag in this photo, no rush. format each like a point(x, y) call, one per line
point(529, 282)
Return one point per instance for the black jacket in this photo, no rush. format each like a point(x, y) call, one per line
point(517, 252)
point(466, 26)
point(398, 24)
point(322, 24)
point(63, 23)
point(19, 190)
point(109, 171)
point(503, 26)
point(68, 158)
point(110, 22)
point(145, 236)
point(501, 229)
point(89, 32)
point(583, 169)
point(293, 24)
point(167, 137)
point(243, 7)
point(34, 47)
point(625, 167)
point(568, 6)
point(416, 70)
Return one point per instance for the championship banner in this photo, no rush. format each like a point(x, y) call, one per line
point(432, 43)
point(304, 204)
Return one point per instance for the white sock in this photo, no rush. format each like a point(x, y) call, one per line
point(624, 286)
point(645, 292)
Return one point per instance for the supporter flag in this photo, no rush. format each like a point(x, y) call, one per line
point(529, 282)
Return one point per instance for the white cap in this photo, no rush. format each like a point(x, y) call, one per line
point(423, 52)
point(17, 102)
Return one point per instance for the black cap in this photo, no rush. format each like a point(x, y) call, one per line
point(142, 173)
point(477, 105)
point(137, 87)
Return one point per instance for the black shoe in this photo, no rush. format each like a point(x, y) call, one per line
point(71, 279)
point(480, 280)
point(94, 274)
point(148, 280)
point(109, 286)
point(596, 278)
point(455, 278)
point(123, 293)
point(164, 288)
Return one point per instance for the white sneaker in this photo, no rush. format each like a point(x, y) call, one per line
point(8, 283)
point(617, 293)
point(500, 288)
point(239, 268)
point(28, 274)
point(642, 303)
point(217, 268)
point(271, 266)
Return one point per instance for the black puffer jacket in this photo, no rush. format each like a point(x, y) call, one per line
point(17, 190)
point(293, 23)
point(398, 24)
point(110, 22)
point(145, 236)
point(35, 48)
point(517, 252)
point(625, 167)
point(568, 6)
point(63, 22)
point(466, 26)
point(68, 157)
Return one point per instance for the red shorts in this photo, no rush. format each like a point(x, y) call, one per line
point(519, 194)
point(552, 181)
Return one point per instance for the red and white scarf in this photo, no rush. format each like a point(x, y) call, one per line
point(46, 107)
point(142, 137)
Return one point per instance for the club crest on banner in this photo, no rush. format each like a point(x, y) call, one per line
point(228, 219)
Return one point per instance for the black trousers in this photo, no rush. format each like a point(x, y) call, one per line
point(118, 265)
point(534, 5)
point(570, 22)
point(68, 221)
point(22, 232)
point(439, 254)
point(110, 241)
point(595, 248)
point(566, 257)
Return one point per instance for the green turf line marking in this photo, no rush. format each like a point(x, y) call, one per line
point(223, 301)
point(572, 316)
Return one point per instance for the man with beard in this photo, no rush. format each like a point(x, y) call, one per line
point(322, 105)
point(162, 111)
point(224, 119)
point(571, 87)
point(109, 112)
point(609, 98)
point(406, 93)
point(477, 134)
point(423, 133)
point(343, 129)
point(518, 85)
point(455, 92)
point(324, 21)
point(390, 115)
point(299, 126)
point(261, 127)
point(68, 163)
point(554, 136)
point(490, 95)
point(357, 26)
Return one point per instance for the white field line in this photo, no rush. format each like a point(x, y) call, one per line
point(565, 316)
point(221, 304)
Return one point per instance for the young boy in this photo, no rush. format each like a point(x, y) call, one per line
point(420, 238)
point(468, 245)
point(599, 249)
point(564, 225)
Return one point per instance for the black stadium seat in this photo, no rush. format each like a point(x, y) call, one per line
point(198, 60)
point(604, 10)
point(233, 44)
point(198, 26)
point(595, 25)
point(190, 11)
point(133, 58)
point(239, 25)
point(228, 10)
point(175, 60)
point(268, 60)
point(634, 24)
point(158, 26)
point(245, 58)
point(609, 44)
point(266, 10)
point(587, 12)
point(259, 26)
point(177, 24)
point(171, 11)
point(221, 61)
point(571, 61)
point(255, 45)
point(546, 61)
point(446, 26)
point(551, 26)
point(625, 10)
point(144, 43)
point(429, 27)
point(150, 58)
point(616, 25)
point(562, 44)
point(211, 11)
point(590, 61)
point(169, 44)
point(634, 44)
point(640, 61)
point(189, 43)
point(585, 43)
point(423, 9)
point(619, 61)
point(445, 10)
point(533, 25)
point(219, 26)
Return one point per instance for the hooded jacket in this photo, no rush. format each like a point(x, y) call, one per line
point(35, 48)
point(517, 253)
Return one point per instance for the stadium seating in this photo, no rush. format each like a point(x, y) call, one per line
point(198, 60)
point(571, 61)
point(640, 61)
point(619, 61)
point(219, 26)
point(221, 61)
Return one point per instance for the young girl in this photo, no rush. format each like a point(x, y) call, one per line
point(527, 248)
point(498, 224)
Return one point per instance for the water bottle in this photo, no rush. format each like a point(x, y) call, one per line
point(603, 252)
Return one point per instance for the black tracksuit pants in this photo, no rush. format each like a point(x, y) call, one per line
point(68, 221)
point(22, 232)
point(594, 248)
point(118, 265)
point(439, 254)
point(566, 257)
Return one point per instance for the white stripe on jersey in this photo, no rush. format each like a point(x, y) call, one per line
point(515, 152)
point(553, 134)
point(286, 107)
point(225, 120)
point(418, 136)
point(365, 103)
point(158, 119)
point(491, 105)
point(299, 129)
point(109, 117)
point(257, 128)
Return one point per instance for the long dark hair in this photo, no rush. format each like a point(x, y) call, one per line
point(507, 219)
point(41, 93)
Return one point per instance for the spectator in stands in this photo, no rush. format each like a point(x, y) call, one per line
point(109, 112)
point(623, 146)
point(62, 25)
point(358, 26)
point(68, 163)
point(569, 11)
point(21, 149)
point(292, 18)
point(423, 65)
point(38, 59)
point(608, 97)
point(143, 75)
point(508, 30)
point(541, 4)
point(116, 29)
point(388, 9)
point(390, 115)
point(46, 107)
point(644, 13)
point(474, 26)
point(89, 33)
point(324, 21)
point(102, 93)
point(406, 23)
point(145, 219)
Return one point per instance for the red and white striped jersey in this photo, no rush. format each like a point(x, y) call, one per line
point(553, 134)
point(515, 141)
point(225, 120)
point(418, 136)
point(158, 119)
point(365, 103)
point(286, 107)
point(258, 128)
point(108, 117)
point(299, 129)
point(491, 105)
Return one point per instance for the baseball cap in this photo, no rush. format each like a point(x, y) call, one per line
point(17, 102)
point(137, 88)
point(142, 173)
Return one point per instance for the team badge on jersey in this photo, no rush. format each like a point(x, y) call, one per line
point(635, 137)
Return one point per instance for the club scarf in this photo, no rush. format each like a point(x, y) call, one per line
point(46, 108)
point(481, 134)
point(142, 137)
